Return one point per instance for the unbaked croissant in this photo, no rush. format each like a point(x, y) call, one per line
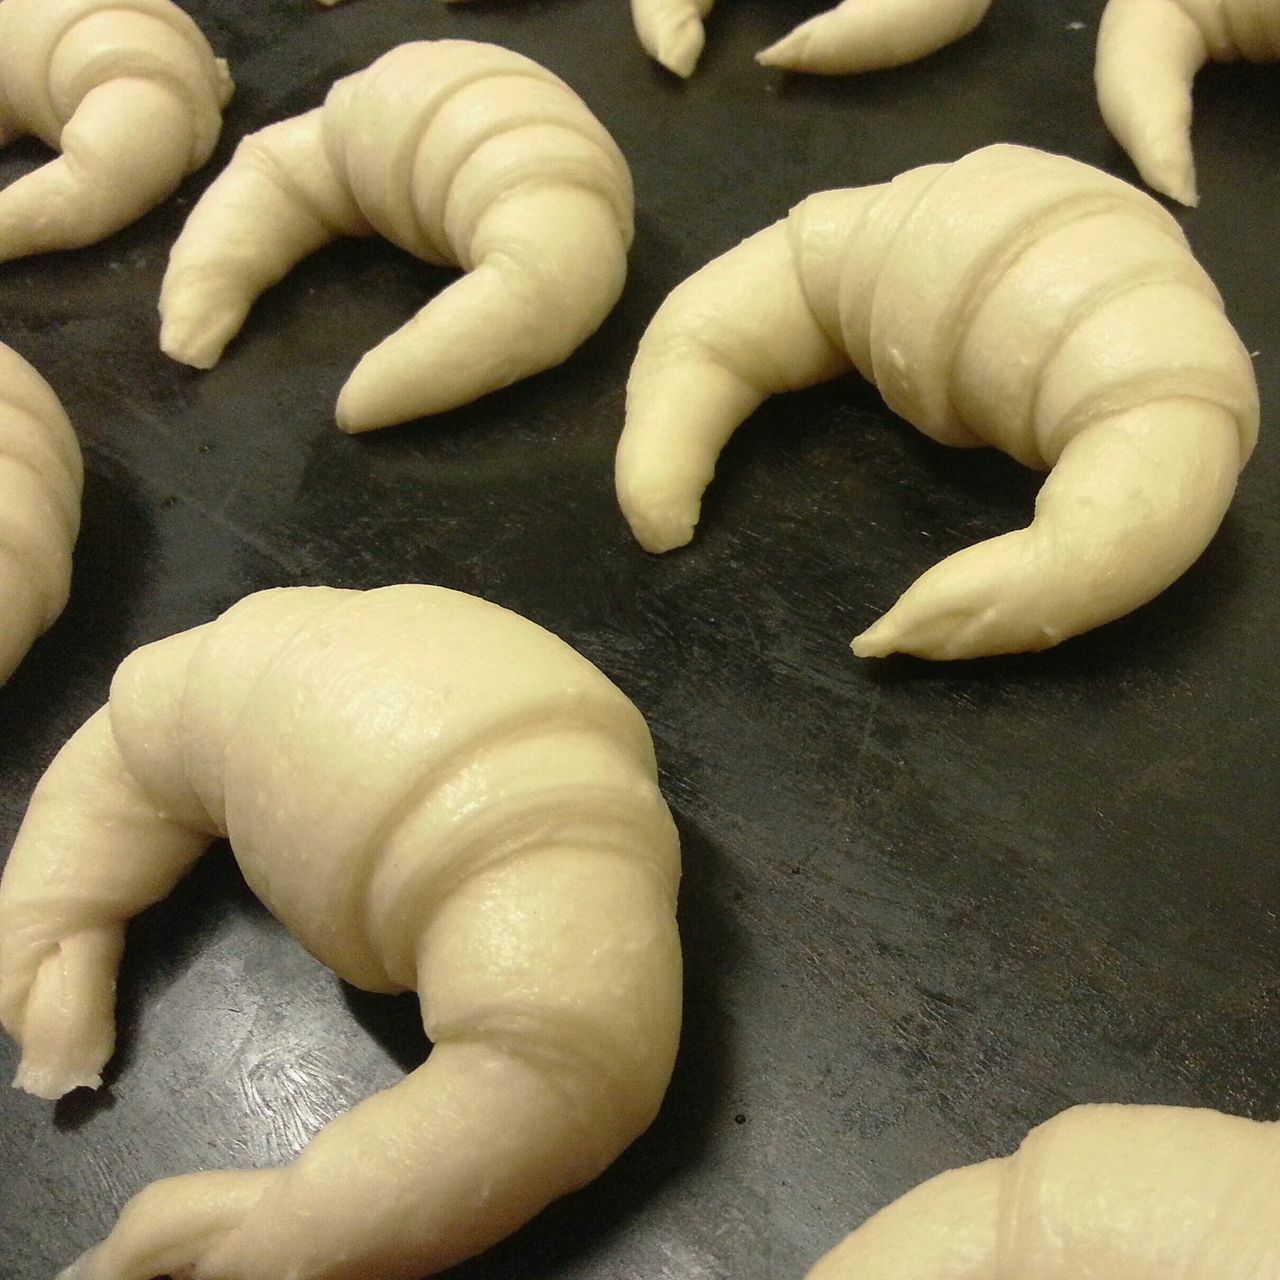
point(855, 35)
point(430, 792)
point(1148, 54)
point(1105, 1192)
point(463, 154)
point(40, 479)
point(1013, 298)
point(131, 94)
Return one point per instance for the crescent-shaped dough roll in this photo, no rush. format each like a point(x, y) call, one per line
point(1148, 54)
point(873, 35)
point(127, 90)
point(431, 793)
point(1104, 1192)
point(41, 474)
point(1013, 298)
point(462, 154)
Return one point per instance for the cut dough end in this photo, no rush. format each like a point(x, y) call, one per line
point(51, 1084)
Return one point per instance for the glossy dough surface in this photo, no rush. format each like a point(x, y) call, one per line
point(41, 474)
point(1104, 1192)
point(131, 94)
point(431, 793)
point(462, 154)
point(1014, 298)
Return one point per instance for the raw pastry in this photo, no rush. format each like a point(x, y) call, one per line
point(131, 94)
point(463, 154)
point(40, 479)
point(871, 35)
point(432, 793)
point(856, 35)
point(1148, 54)
point(1013, 298)
point(1104, 1192)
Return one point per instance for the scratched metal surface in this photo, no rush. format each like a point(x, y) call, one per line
point(924, 907)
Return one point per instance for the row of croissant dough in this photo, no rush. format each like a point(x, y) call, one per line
point(1148, 54)
point(515, 864)
point(1131, 387)
point(131, 93)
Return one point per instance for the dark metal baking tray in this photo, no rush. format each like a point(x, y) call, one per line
point(925, 906)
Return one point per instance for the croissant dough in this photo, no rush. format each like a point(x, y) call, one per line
point(432, 793)
point(41, 474)
point(1013, 298)
point(460, 153)
point(1105, 1192)
point(131, 94)
point(873, 35)
point(1148, 54)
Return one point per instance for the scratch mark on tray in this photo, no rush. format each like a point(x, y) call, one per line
point(868, 724)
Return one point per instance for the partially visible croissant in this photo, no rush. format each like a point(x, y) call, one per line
point(40, 479)
point(432, 793)
point(131, 94)
point(1098, 1192)
point(1148, 54)
point(1015, 299)
point(462, 154)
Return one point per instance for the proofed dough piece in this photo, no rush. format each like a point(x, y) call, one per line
point(41, 474)
point(1012, 298)
point(131, 94)
point(1148, 54)
point(460, 153)
point(431, 793)
point(1104, 1192)
point(873, 35)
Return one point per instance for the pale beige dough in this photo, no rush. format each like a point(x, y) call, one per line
point(1148, 54)
point(460, 153)
point(431, 793)
point(41, 474)
point(131, 94)
point(1104, 1192)
point(1013, 298)
point(856, 35)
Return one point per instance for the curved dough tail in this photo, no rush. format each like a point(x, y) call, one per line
point(873, 35)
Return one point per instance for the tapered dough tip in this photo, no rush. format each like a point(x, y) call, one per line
point(1178, 182)
point(787, 52)
point(879, 640)
point(680, 49)
point(360, 408)
point(382, 392)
